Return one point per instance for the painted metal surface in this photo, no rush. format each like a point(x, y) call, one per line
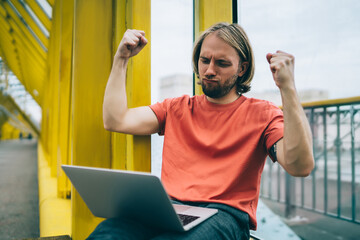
point(134, 152)
point(63, 132)
point(92, 54)
point(23, 46)
point(40, 13)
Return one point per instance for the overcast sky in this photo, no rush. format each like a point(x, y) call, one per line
point(324, 36)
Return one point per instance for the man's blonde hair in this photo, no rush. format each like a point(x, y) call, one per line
point(235, 36)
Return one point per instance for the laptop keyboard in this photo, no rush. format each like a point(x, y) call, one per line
point(186, 219)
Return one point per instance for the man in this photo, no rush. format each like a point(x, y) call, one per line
point(216, 144)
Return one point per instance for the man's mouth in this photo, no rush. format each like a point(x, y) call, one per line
point(210, 80)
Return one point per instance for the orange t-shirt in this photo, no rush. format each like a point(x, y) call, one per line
point(216, 152)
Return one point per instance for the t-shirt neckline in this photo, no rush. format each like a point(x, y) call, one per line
point(215, 106)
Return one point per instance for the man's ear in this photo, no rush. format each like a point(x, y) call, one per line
point(244, 66)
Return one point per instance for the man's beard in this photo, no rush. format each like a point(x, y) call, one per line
point(218, 90)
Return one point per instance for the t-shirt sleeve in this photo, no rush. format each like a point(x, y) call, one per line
point(275, 129)
point(160, 109)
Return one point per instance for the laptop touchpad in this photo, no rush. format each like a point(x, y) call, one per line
point(181, 208)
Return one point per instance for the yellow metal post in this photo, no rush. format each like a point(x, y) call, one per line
point(118, 140)
point(134, 152)
point(93, 51)
point(51, 105)
point(66, 33)
point(92, 56)
point(207, 13)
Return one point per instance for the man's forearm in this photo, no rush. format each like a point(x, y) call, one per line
point(297, 141)
point(295, 151)
point(115, 100)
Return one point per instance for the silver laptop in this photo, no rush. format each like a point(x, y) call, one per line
point(139, 196)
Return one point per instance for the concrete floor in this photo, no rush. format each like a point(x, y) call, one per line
point(318, 226)
point(19, 204)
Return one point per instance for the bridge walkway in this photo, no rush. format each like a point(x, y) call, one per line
point(19, 199)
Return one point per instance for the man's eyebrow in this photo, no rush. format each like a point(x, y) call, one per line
point(217, 60)
point(223, 60)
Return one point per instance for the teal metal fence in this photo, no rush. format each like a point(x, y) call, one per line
point(333, 187)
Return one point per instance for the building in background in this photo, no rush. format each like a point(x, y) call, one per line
point(175, 86)
point(309, 95)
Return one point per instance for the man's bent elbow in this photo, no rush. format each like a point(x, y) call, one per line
point(109, 125)
point(117, 126)
point(305, 170)
point(301, 174)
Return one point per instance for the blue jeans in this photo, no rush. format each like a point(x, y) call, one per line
point(228, 223)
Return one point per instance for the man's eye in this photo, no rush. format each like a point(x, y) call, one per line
point(223, 64)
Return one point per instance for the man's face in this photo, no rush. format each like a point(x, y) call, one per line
point(218, 67)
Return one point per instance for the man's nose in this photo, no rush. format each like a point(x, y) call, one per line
point(210, 71)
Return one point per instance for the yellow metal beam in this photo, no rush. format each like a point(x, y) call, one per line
point(92, 54)
point(35, 60)
point(37, 9)
point(2, 11)
point(207, 13)
point(34, 72)
point(1, 53)
point(24, 28)
point(28, 38)
point(4, 26)
point(66, 38)
point(119, 140)
point(39, 60)
point(30, 21)
point(31, 67)
point(36, 78)
point(51, 98)
point(8, 58)
point(25, 63)
point(134, 152)
point(9, 50)
point(51, 2)
point(6, 32)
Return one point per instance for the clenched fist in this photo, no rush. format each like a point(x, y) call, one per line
point(282, 68)
point(131, 44)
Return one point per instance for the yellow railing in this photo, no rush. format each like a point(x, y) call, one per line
point(332, 102)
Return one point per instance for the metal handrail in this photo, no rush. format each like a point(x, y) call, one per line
point(334, 181)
